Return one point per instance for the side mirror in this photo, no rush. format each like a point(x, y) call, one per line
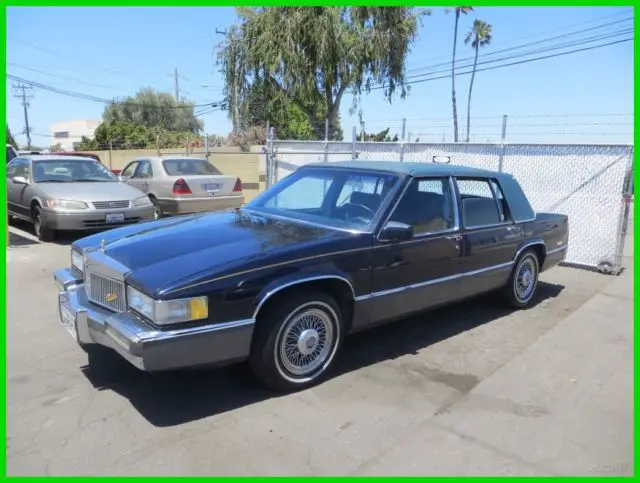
point(20, 180)
point(396, 232)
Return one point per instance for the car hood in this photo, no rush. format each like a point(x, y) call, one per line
point(97, 191)
point(164, 256)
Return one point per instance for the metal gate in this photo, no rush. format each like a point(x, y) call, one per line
point(584, 182)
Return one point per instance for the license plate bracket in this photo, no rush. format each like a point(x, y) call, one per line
point(211, 187)
point(114, 217)
point(67, 318)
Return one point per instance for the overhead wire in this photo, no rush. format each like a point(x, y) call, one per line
point(539, 34)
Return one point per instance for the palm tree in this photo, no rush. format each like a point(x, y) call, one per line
point(458, 11)
point(479, 36)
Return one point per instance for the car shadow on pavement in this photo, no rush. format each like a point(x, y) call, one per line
point(173, 398)
point(17, 241)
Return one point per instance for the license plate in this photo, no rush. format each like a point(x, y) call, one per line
point(68, 320)
point(211, 187)
point(115, 217)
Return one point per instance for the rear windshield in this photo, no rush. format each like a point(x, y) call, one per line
point(182, 167)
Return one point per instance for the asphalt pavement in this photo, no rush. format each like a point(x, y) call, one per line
point(473, 389)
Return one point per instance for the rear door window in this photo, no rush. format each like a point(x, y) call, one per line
point(479, 205)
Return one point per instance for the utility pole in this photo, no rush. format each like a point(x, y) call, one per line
point(177, 86)
point(25, 104)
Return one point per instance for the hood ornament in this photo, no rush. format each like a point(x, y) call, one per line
point(102, 243)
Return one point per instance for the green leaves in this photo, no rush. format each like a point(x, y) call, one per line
point(10, 139)
point(149, 108)
point(311, 57)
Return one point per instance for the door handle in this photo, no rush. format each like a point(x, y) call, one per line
point(513, 228)
point(454, 237)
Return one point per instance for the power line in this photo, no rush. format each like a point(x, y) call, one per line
point(20, 66)
point(565, 45)
point(514, 63)
point(548, 39)
point(538, 35)
point(89, 97)
point(73, 59)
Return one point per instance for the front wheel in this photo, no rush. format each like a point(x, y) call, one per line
point(296, 341)
point(523, 282)
point(42, 231)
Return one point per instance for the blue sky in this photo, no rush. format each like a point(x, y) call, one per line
point(109, 52)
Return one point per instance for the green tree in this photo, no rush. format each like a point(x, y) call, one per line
point(153, 109)
point(312, 56)
point(479, 36)
point(381, 137)
point(10, 139)
point(458, 12)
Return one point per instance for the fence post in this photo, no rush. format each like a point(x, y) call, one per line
point(206, 145)
point(186, 147)
point(404, 129)
point(326, 140)
point(271, 159)
point(110, 153)
point(502, 145)
point(158, 143)
point(353, 142)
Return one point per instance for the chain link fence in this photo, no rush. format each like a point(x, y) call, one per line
point(588, 183)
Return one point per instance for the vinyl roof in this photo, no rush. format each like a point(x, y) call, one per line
point(413, 169)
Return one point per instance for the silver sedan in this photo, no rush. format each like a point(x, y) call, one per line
point(71, 193)
point(180, 185)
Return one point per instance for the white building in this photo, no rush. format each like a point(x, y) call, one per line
point(69, 133)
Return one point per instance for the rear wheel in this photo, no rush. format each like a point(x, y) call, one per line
point(296, 341)
point(42, 231)
point(523, 282)
point(157, 211)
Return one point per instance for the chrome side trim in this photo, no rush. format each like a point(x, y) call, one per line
point(172, 334)
point(556, 250)
point(265, 267)
point(529, 244)
point(275, 290)
point(434, 281)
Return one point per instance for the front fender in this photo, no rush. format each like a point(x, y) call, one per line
point(292, 280)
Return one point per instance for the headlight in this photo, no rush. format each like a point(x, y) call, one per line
point(67, 205)
point(142, 201)
point(140, 303)
point(164, 312)
point(77, 261)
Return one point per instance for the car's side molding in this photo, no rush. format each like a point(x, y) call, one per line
point(271, 292)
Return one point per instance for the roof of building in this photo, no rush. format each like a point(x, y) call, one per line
point(413, 169)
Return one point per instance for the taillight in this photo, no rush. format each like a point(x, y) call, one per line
point(238, 186)
point(180, 187)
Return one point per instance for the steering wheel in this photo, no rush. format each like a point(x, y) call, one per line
point(366, 208)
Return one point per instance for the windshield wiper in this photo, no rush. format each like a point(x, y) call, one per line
point(54, 181)
point(88, 180)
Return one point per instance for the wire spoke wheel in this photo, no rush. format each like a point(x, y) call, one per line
point(525, 280)
point(306, 342)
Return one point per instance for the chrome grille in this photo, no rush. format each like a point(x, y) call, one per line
point(105, 205)
point(106, 292)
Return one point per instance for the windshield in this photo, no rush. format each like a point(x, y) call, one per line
point(185, 167)
point(71, 171)
point(336, 197)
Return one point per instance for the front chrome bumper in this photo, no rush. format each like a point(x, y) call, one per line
point(144, 346)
